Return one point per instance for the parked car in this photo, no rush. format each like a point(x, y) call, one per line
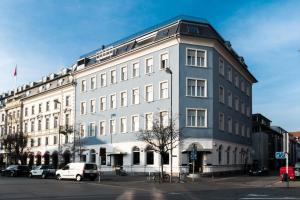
point(291, 173)
point(258, 171)
point(16, 170)
point(42, 171)
point(78, 171)
point(297, 170)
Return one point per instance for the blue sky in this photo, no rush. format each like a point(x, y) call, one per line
point(42, 37)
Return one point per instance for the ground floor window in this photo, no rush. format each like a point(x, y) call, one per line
point(149, 157)
point(166, 158)
point(136, 156)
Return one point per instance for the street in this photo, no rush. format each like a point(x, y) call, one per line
point(242, 187)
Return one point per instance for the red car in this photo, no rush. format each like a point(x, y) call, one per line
point(291, 173)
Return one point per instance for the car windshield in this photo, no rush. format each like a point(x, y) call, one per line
point(44, 167)
point(12, 167)
point(90, 166)
point(36, 167)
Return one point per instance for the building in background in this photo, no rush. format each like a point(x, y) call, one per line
point(122, 87)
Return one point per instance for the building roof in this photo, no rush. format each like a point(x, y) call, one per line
point(295, 134)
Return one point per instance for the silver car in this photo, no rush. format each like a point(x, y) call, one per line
point(43, 171)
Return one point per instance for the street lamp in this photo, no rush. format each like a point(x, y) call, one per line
point(169, 71)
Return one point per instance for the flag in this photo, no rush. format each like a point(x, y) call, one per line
point(15, 72)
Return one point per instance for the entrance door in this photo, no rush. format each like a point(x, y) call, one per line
point(118, 160)
point(198, 163)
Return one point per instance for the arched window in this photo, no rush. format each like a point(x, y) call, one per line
point(136, 156)
point(149, 156)
point(234, 155)
point(228, 155)
point(220, 154)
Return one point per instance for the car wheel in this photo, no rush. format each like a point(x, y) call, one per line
point(12, 174)
point(30, 175)
point(44, 176)
point(58, 177)
point(78, 178)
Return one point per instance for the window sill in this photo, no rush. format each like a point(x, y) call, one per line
point(187, 65)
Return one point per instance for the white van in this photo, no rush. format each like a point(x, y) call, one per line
point(78, 171)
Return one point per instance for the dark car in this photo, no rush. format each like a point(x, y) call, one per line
point(16, 170)
point(258, 171)
point(43, 171)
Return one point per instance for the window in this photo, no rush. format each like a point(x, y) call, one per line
point(166, 158)
point(135, 69)
point(164, 61)
point(102, 103)
point(93, 83)
point(248, 111)
point(123, 96)
point(55, 123)
point(229, 95)
point(39, 142)
point(135, 123)
point(112, 126)
point(242, 107)
point(123, 125)
point(2, 117)
point(149, 157)
point(229, 124)
point(67, 103)
point(40, 108)
point(25, 128)
point(83, 108)
point(55, 103)
point(102, 128)
point(82, 130)
point(66, 139)
point(163, 87)
point(47, 106)
point(149, 65)
point(148, 121)
point(32, 126)
point(39, 125)
point(124, 73)
point(149, 93)
point(93, 106)
point(135, 96)
point(236, 103)
point(196, 58)
point(228, 155)
point(83, 85)
point(221, 122)
point(221, 94)
point(229, 74)
point(46, 140)
point(242, 86)
point(243, 130)
point(221, 67)
point(164, 118)
point(102, 80)
point(47, 124)
point(248, 132)
point(113, 100)
point(26, 112)
point(248, 90)
point(113, 77)
point(67, 119)
point(136, 156)
point(220, 154)
point(54, 140)
point(196, 117)
point(236, 80)
point(196, 87)
point(103, 156)
point(92, 129)
point(32, 110)
point(236, 128)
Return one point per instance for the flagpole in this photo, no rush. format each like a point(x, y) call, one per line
point(15, 75)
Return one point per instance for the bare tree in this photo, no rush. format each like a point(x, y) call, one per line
point(14, 145)
point(162, 138)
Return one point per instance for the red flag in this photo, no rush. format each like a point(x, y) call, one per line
point(15, 71)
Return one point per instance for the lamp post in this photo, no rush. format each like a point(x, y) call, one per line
point(169, 71)
point(59, 129)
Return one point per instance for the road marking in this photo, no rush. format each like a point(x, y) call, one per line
point(257, 195)
point(274, 198)
point(128, 195)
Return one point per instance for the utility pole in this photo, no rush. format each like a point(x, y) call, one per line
point(287, 158)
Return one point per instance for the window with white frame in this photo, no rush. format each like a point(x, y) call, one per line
point(236, 103)
point(67, 101)
point(93, 83)
point(164, 118)
point(221, 121)
point(93, 106)
point(164, 90)
point(124, 74)
point(196, 117)
point(102, 103)
point(82, 130)
point(149, 93)
point(221, 67)
point(47, 123)
point(148, 121)
point(229, 98)
point(123, 99)
point(47, 106)
point(123, 124)
point(83, 108)
point(113, 76)
point(83, 85)
point(55, 122)
point(236, 128)
point(102, 127)
point(32, 126)
point(135, 69)
point(236, 80)
point(113, 101)
point(103, 79)
point(164, 61)
point(196, 87)
point(221, 94)
point(229, 124)
point(112, 126)
point(229, 74)
point(149, 65)
point(39, 125)
point(196, 58)
point(135, 96)
point(135, 123)
point(92, 129)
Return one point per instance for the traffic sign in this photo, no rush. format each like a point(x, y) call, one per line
point(280, 155)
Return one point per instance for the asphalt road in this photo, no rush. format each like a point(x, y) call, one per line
point(136, 188)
